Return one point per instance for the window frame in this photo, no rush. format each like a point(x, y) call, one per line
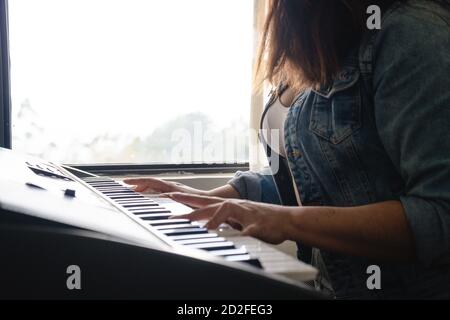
point(156, 169)
point(102, 169)
point(5, 80)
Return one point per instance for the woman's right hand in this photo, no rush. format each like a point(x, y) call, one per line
point(153, 185)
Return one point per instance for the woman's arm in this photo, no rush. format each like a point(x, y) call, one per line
point(155, 185)
point(377, 231)
point(226, 191)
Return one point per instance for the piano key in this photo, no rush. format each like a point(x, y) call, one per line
point(125, 191)
point(183, 232)
point(239, 257)
point(126, 200)
point(142, 205)
point(118, 194)
point(116, 189)
point(175, 226)
point(225, 245)
point(126, 197)
point(245, 258)
point(100, 181)
point(143, 213)
point(106, 185)
point(168, 222)
point(91, 181)
point(231, 252)
point(201, 240)
point(135, 201)
point(142, 209)
point(158, 216)
point(194, 236)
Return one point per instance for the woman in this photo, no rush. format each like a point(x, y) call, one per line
point(367, 143)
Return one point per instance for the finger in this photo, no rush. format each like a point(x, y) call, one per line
point(193, 200)
point(149, 184)
point(226, 211)
point(200, 214)
point(135, 181)
point(250, 231)
point(234, 224)
point(139, 185)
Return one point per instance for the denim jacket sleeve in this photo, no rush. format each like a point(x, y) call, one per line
point(411, 83)
point(256, 186)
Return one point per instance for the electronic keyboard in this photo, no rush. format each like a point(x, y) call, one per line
point(70, 204)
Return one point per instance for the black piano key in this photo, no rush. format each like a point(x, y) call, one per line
point(158, 216)
point(99, 181)
point(245, 258)
point(175, 226)
point(126, 197)
point(116, 190)
point(148, 210)
point(157, 223)
point(201, 240)
point(225, 245)
point(119, 192)
point(107, 185)
point(183, 232)
point(194, 236)
point(254, 262)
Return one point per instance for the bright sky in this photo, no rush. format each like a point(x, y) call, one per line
point(95, 66)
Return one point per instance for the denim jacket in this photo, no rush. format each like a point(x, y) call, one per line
point(380, 131)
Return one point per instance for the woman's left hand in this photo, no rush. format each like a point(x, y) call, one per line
point(269, 223)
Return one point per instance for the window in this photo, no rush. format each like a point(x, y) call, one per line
point(131, 81)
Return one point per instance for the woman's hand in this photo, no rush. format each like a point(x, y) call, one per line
point(269, 223)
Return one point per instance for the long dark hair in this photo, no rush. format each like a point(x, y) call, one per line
point(305, 41)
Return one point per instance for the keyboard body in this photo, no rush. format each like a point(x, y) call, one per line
point(51, 217)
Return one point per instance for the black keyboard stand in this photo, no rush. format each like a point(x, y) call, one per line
point(34, 257)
